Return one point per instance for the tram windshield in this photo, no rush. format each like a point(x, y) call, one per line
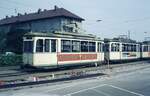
point(28, 46)
point(46, 45)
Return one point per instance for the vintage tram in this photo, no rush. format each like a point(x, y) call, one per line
point(120, 49)
point(145, 50)
point(61, 49)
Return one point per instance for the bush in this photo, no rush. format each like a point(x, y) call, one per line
point(10, 60)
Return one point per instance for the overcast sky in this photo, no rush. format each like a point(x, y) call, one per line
point(118, 16)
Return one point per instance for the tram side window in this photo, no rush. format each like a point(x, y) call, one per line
point(145, 49)
point(123, 47)
point(135, 48)
point(84, 46)
point(92, 47)
point(66, 46)
point(53, 45)
point(128, 47)
point(114, 47)
point(28, 46)
point(47, 45)
point(39, 45)
point(132, 48)
point(75, 46)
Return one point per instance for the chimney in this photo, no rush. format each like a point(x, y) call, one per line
point(45, 10)
point(12, 16)
point(25, 13)
point(55, 7)
point(39, 10)
point(7, 17)
point(19, 14)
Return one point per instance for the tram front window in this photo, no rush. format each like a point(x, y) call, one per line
point(28, 46)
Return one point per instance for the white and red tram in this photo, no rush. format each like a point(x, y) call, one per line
point(120, 49)
point(60, 49)
point(145, 50)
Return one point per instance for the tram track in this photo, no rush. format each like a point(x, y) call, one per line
point(69, 75)
point(49, 71)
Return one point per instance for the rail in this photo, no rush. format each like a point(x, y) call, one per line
point(41, 78)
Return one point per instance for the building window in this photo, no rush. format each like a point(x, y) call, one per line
point(28, 46)
point(68, 29)
point(66, 46)
point(75, 46)
point(39, 45)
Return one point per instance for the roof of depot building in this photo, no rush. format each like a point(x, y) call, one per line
point(45, 14)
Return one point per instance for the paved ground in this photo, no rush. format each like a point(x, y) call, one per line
point(135, 83)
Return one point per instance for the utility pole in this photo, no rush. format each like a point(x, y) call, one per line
point(129, 34)
point(145, 36)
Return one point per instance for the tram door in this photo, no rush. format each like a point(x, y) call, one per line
point(28, 51)
point(100, 51)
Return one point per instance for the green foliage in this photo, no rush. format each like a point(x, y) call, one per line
point(10, 60)
point(14, 41)
point(2, 42)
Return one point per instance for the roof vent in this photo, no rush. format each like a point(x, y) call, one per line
point(55, 7)
point(39, 10)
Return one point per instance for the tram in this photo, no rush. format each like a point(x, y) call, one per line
point(61, 49)
point(120, 49)
point(145, 50)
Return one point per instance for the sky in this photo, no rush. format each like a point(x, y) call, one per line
point(118, 16)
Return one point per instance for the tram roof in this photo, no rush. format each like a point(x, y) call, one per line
point(62, 35)
point(146, 42)
point(124, 40)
